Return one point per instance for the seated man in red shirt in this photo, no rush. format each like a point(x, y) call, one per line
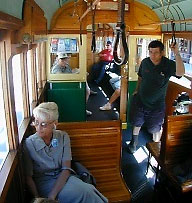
point(98, 69)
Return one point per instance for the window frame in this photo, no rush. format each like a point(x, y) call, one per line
point(15, 135)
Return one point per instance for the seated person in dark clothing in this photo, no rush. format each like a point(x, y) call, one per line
point(98, 69)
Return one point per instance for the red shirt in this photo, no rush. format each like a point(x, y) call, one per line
point(106, 55)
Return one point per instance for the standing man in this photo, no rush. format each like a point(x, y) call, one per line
point(148, 104)
point(105, 57)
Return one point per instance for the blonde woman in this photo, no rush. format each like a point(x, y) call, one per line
point(47, 157)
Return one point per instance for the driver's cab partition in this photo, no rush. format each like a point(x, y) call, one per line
point(70, 98)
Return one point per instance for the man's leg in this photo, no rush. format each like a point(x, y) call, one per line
point(94, 73)
point(157, 135)
point(154, 122)
point(132, 146)
point(88, 91)
point(136, 118)
point(102, 65)
point(114, 96)
point(89, 113)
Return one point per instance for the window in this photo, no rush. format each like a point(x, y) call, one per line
point(17, 83)
point(185, 49)
point(64, 45)
point(40, 65)
point(29, 76)
point(4, 147)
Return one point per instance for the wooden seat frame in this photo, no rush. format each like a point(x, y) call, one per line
point(97, 145)
point(175, 146)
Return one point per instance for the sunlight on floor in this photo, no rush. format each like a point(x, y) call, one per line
point(153, 161)
point(140, 155)
point(150, 174)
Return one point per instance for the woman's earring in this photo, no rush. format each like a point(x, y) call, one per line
point(54, 127)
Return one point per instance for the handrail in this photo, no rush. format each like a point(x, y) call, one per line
point(120, 28)
point(168, 22)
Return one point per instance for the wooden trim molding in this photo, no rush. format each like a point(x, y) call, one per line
point(10, 22)
point(7, 173)
point(62, 31)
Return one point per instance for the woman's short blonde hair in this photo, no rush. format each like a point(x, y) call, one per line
point(46, 111)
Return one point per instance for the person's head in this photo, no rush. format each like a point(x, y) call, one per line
point(156, 51)
point(63, 59)
point(108, 45)
point(46, 116)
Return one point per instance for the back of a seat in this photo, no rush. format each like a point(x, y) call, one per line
point(176, 141)
point(97, 145)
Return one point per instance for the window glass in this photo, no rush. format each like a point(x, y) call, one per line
point(29, 76)
point(17, 82)
point(4, 147)
point(185, 49)
point(141, 50)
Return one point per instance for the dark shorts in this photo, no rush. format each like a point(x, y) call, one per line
point(140, 114)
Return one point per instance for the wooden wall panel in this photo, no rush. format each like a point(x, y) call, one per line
point(34, 21)
point(64, 19)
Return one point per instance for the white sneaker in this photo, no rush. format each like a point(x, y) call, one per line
point(106, 107)
point(89, 113)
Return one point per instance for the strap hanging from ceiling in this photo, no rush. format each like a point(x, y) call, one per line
point(80, 35)
point(173, 40)
point(121, 35)
point(93, 44)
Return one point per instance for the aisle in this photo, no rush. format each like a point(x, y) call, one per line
point(95, 101)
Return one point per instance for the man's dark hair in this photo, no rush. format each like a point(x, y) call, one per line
point(156, 44)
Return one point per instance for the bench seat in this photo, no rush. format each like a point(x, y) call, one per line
point(97, 145)
point(175, 147)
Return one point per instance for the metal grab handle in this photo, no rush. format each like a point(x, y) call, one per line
point(93, 44)
point(173, 40)
point(80, 35)
point(117, 60)
point(121, 35)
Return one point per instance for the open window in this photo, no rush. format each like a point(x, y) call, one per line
point(68, 45)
